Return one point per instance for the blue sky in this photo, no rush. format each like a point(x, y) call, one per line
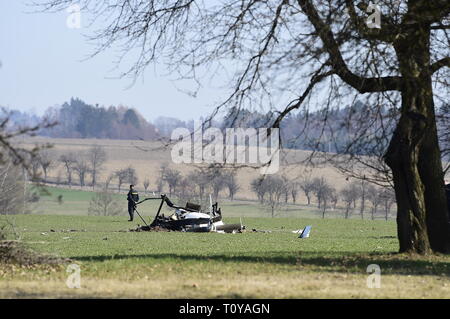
point(42, 66)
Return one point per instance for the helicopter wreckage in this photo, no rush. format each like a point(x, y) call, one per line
point(189, 218)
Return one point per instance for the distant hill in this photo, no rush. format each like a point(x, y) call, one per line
point(327, 131)
point(77, 119)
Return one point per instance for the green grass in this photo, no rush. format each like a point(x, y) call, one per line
point(270, 264)
point(74, 202)
point(333, 260)
point(329, 235)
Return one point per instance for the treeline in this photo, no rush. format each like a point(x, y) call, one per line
point(337, 130)
point(77, 119)
point(80, 169)
point(198, 184)
point(356, 198)
point(329, 131)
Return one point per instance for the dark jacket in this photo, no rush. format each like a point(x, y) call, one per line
point(132, 196)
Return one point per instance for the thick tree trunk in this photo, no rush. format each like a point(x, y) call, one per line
point(414, 155)
point(432, 176)
point(402, 158)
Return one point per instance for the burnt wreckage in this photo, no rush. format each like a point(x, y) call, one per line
point(189, 218)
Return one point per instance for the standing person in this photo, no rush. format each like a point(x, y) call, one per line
point(133, 198)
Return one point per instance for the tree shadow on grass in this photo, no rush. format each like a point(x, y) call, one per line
point(346, 262)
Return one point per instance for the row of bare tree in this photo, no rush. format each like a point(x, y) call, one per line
point(199, 182)
point(275, 191)
point(193, 187)
point(81, 164)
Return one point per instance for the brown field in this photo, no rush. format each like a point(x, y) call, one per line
point(147, 157)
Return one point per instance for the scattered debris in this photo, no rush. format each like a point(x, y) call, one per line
point(261, 231)
point(305, 233)
point(68, 230)
point(150, 228)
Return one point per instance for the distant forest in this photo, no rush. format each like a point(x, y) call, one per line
point(328, 131)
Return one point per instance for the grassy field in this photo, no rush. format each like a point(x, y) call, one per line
point(270, 263)
point(331, 263)
point(76, 202)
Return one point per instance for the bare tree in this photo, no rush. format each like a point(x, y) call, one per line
point(199, 179)
point(97, 157)
point(318, 188)
point(349, 196)
point(159, 185)
point(9, 132)
point(109, 180)
point(216, 180)
point(131, 176)
point(68, 161)
point(81, 168)
point(12, 190)
point(146, 184)
point(334, 198)
point(287, 188)
point(229, 179)
point(374, 197)
point(293, 49)
point(47, 162)
point(172, 177)
point(185, 191)
point(34, 167)
point(15, 165)
point(354, 188)
point(104, 203)
point(363, 185)
point(388, 199)
point(294, 188)
point(126, 175)
point(275, 190)
point(307, 187)
point(258, 186)
point(160, 182)
point(121, 176)
point(324, 193)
